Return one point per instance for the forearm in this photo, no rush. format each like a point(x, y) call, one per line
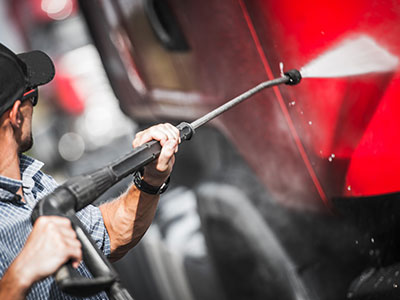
point(127, 219)
point(51, 244)
point(14, 285)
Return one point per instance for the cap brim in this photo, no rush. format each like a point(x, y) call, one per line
point(40, 68)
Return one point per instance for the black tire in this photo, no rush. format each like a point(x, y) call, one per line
point(248, 257)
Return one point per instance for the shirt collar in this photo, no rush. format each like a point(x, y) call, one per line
point(29, 167)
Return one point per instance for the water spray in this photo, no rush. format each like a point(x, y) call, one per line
point(353, 56)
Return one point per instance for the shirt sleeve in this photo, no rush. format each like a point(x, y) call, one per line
point(92, 219)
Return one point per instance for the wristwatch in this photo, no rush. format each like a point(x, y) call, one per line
point(148, 188)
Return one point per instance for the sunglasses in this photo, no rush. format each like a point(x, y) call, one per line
point(32, 96)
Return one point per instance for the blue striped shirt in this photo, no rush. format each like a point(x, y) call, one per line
point(15, 223)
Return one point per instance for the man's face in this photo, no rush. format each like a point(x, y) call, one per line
point(24, 138)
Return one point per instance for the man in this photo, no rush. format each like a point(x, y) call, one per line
point(29, 255)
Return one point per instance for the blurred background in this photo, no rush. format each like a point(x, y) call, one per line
point(291, 196)
point(78, 114)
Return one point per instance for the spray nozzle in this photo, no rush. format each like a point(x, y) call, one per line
point(294, 76)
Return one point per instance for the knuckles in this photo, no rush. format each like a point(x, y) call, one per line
point(158, 132)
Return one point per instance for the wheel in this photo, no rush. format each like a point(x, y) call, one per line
point(248, 257)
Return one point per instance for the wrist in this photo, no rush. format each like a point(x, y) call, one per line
point(153, 179)
point(152, 187)
point(16, 279)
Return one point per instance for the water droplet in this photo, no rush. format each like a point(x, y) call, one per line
point(349, 295)
point(281, 68)
point(372, 240)
point(395, 285)
point(292, 103)
point(310, 123)
point(356, 242)
point(323, 32)
point(330, 159)
point(333, 155)
point(396, 273)
point(349, 187)
point(302, 113)
point(371, 252)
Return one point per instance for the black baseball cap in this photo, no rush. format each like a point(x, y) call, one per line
point(20, 73)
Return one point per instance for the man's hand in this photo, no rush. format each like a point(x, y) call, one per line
point(128, 217)
point(158, 171)
point(51, 244)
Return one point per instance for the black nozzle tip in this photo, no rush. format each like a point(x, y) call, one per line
point(294, 76)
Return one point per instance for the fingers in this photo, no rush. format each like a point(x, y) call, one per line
point(74, 251)
point(60, 230)
point(161, 133)
point(166, 158)
point(51, 244)
point(168, 135)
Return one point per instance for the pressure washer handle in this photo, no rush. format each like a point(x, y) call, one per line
point(104, 276)
point(144, 154)
point(80, 191)
point(86, 188)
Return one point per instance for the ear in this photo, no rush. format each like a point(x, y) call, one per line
point(15, 115)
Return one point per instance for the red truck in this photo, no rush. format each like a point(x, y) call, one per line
point(297, 188)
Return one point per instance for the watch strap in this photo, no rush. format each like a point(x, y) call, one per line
point(148, 188)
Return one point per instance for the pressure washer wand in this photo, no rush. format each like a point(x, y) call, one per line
point(291, 77)
point(146, 153)
point(81, 191)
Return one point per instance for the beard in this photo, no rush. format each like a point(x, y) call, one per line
point(25, 144)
